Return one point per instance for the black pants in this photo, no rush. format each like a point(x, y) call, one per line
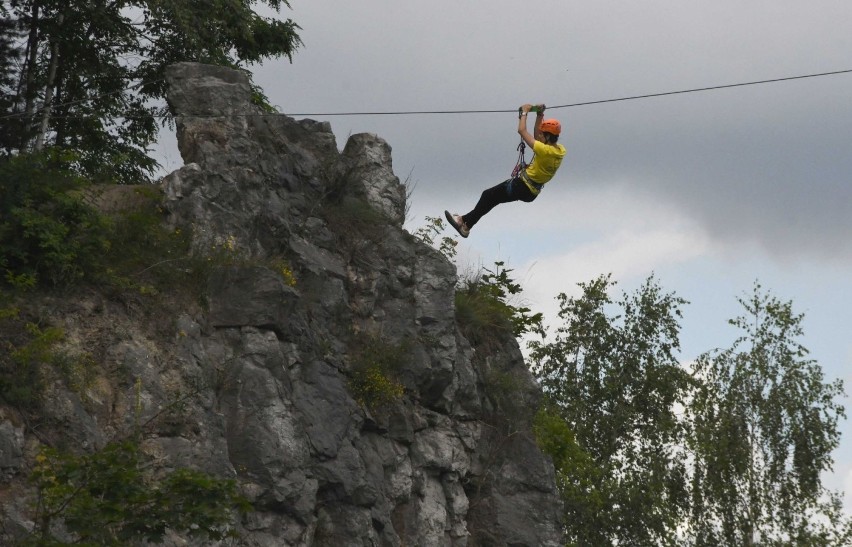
point(505, 192)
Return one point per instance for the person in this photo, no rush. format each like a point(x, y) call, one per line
point(528, 183)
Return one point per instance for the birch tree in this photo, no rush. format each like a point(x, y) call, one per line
point(612, 374)
point(764, 425)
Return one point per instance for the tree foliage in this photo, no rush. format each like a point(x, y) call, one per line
point(431, 231)
point(764, 427)
point(728, 451)
point(578, 478)
point(108, 498)
point(615, 381)
point(88, 75)
point(47, 232)
point(487, 308)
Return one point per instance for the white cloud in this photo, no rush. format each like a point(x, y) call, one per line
point(572, 234)
point(626, 254)
point(630, 236)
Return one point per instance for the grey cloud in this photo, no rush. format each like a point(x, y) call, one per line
point(768, 164)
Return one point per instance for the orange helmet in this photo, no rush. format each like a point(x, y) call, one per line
point(551, 126)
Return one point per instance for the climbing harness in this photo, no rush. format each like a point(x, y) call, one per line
point(520, 170)
point(521, 164)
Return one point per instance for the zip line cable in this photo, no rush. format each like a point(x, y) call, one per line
point(706, 88)
point(586, 103)
point(495, 111)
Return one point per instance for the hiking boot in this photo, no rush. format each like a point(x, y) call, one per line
point(457, 222)
point(462, 227)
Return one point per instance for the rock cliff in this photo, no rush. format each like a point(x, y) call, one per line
point(273, 357)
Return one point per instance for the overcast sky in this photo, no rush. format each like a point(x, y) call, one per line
point(709, 191)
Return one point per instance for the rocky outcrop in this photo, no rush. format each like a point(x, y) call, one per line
point(324, 279)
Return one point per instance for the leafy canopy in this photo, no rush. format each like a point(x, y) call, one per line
point(729, 450)
point(612, 376)
point(47, 232)
point(108, 498)
point(764, 425)
point(88, 76)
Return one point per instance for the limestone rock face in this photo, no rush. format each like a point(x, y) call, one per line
point(324, 280)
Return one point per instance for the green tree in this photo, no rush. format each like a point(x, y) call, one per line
point(48, 233)
point(764, 424)
point(111, 497)
point(89, 74)
point(578, 478)
point(615, 381)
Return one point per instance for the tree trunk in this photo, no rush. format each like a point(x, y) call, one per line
point(48, 93)
point(27, 79)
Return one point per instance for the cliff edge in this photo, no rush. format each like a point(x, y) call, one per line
point(324, 369)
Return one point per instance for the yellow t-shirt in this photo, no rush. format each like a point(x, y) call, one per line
point(547, 160)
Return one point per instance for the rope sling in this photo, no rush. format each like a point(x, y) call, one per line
point(521, 164)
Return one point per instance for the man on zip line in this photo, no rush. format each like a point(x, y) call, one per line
point(528, 181)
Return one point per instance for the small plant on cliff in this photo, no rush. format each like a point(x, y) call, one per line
point(24, 348)
point(283, 268)
point(145, 256)
point(375, 365)
point(484, 310)
point(429, 234)
point(111, 498)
